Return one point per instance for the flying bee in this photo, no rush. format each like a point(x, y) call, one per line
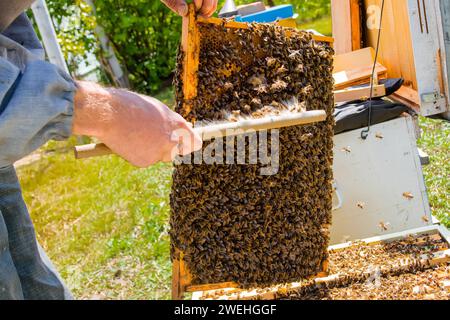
point(347, 149)
point(408, 195)
point(384, 225)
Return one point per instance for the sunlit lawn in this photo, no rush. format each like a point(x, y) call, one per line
point(322, 25)
point(103, 223)
point(435, 141)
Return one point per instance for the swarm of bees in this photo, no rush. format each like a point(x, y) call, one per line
point(385, 271)
point(390, 270)
point(231, 222)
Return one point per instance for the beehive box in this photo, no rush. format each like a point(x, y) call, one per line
point(229, 222)
point(402, 266)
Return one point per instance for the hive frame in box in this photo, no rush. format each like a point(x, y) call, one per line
point(438, 257)
point(413, 46)
point(190, 45)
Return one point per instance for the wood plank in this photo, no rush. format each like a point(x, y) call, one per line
point(176, 289)
point(212, 286)
point(342, 25)
point(346, 25)
point(190, 44)
point(444, 232)
point(354, 60)
point(351, 77)
point(396, 51)
point(440, 72)
point(185, 275)
point(244, 25)
point(362, 93)
point(407, 96)
point(355, 17)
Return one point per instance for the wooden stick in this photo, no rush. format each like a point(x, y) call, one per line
point(190, 44)
point(266, 123)
point(176, 285)
point(212, 286)
point(224, 130)
point(347, 78)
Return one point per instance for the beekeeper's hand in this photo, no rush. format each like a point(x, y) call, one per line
point(140, 129)
point(204, 7)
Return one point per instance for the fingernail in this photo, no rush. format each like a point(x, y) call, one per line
point(183, 9)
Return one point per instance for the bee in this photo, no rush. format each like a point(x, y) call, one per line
point(256, 81)
point(261, 89)
point(346, 149)
point(360, 205)
point(278, 85)
point(282, 70)
point(228, 86)
point(408, 195)
point(384, 226)
point(271, 61)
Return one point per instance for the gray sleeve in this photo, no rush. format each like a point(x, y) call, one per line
point(10, 10)
point(36, 105)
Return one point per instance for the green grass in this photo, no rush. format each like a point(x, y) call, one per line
point(322, 25)
point(103, 223)
point(435, 140)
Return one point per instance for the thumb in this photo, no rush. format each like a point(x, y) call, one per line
point(178, 6)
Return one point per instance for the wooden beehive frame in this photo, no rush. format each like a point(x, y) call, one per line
point(437, 258)
point(190, 45)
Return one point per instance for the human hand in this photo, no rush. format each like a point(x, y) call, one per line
point(138, 128)
point(204, 7)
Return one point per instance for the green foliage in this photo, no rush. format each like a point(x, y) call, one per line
point(322, 25)
point(144, 33)
point(146, 36)
point(74, 24)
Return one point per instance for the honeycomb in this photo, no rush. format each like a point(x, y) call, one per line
point(231, 222)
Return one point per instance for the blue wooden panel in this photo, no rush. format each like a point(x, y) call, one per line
point(269, 15)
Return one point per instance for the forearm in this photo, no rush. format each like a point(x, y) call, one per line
point(141, 129)
point(93, 111)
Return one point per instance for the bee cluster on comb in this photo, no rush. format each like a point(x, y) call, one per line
point(384, 271)
point(409, 268)
point(231, 222)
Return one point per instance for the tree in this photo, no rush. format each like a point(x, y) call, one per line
point(144, 34)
